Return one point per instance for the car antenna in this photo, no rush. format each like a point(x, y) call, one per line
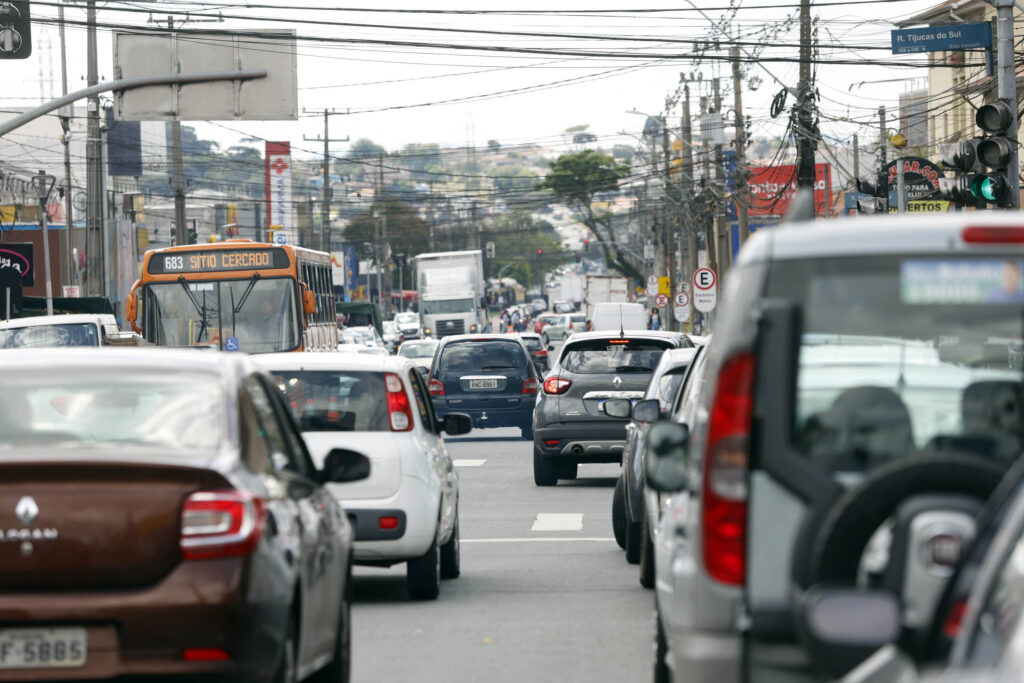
point(622, 331)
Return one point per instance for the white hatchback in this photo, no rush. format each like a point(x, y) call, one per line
point(408, 508)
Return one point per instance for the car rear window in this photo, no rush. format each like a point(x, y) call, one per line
point(578, 318)
point(904, 354)
point(613, 356)
point(335, 400)
point(532, 343)
point(484, 355)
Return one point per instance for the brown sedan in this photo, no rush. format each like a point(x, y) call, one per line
point(159, 514)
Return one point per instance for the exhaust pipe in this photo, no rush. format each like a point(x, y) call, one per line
point(577, 450)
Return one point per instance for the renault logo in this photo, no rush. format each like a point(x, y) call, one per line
point(26, 510)
point(617, 381)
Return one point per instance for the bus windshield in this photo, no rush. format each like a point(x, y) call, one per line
point(252, 315)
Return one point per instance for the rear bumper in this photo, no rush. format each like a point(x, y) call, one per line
point(582, 441)
point(485, 417)
point(697, 657)
point(415, 505)
point(223, 604)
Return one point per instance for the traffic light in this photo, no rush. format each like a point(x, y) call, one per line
point(995, 151)
point(15, 30)
point(586, 244)
point(963, 157)
point(540, 252)
point(579, 257)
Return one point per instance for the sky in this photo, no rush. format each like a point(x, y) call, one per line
point(439, 92)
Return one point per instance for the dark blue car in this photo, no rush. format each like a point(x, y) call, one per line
point(489, 377)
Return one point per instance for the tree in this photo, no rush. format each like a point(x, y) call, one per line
point(517, 237)
point(624, 152)
point(513, 178)
point(408, 233)
point(494, 145)
point(576, 179)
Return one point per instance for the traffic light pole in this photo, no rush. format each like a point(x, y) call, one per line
point(1006, 71)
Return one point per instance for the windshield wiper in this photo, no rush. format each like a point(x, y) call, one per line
point(498, 367)
point(201, 310)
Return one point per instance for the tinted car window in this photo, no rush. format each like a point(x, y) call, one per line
point(76, 334)
point(578, 318)
point(532, 343)
point(603, 356)
point(481, 356)
point(335, 401)
point(900, 354)
point(668, 385)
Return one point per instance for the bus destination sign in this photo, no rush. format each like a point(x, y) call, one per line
point(217, 260)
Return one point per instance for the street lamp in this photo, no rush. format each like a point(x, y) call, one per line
point(43, 183)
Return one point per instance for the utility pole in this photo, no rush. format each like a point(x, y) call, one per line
point(325, 207)
point(722, 229)
point(740, 193)
point(1006, 69)
point(177, 173)
point(93, 180)
point(707, 215)
point(666, 236)
point(689, 227)
point(883, 173)
point(805, 103)
point(65, 122)
point(856, 158)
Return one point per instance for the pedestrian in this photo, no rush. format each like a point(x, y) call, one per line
point(505, 320)
point(515, 321)
point(655, 319)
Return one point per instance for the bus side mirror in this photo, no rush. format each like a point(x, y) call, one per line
point(308, 302)
point(131, 307)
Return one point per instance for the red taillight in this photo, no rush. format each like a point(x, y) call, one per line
point(332, 409)
point(551, 443)
point(951, 626)
point(530, 386)
point(220, 524)
point(724, 505)
point(556, 385)
point(398, 403)
point(204, 654)
point(993, 234)
point(435, 387)
point(540, 352)
point(388, 522)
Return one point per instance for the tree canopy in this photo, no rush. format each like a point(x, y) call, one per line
point(408, 233)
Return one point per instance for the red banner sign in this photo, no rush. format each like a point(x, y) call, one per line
point(772, 189)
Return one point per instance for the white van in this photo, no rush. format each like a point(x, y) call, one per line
point(613, 316)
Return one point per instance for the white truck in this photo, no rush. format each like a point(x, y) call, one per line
point(451, 292)
point(567, 288)
point(605, 289)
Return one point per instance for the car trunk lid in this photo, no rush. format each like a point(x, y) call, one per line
point(382, 448)
point(92, 525)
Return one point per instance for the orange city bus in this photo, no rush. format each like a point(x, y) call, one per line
point(236, 295)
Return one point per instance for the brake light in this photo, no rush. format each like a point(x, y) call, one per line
point(388, 522)
point(435, 387)
point(724, 504)
point(556, 385)
point(540, 352)
point(204, 654)
point(332, 409)
point(951, 626)
point(217, 524)
point(530, 386)
point(993, 234)
point(398, 403)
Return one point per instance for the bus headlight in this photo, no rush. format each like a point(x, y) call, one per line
point(472, 328)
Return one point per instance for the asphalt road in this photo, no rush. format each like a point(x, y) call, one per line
point(545, 593)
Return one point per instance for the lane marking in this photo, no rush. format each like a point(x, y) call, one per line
point(469, 462)
point(538, 539)
point(552, 521)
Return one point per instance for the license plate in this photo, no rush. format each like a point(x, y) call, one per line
point(42, 648)
point(483, 384)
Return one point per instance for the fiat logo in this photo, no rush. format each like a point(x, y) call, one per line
point(942, 552)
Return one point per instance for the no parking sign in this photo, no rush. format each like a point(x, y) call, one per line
point(705, 289)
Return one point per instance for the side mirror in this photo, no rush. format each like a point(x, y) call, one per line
point(308, 302)
point(422, 370)
point(666, 462)
point(131, 307)
point(342, 465)
point(551, 347)
point(647, 411)
point(843, 626)
point(457, 423)
point(617, 407)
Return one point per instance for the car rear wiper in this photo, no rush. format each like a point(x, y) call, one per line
point(632, 368)
point(498, 367)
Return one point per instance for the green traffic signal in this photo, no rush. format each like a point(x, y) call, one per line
point(990, 186)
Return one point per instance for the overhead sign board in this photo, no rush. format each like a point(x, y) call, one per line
point(216, 260)
point(273, 98)
point(947, 37)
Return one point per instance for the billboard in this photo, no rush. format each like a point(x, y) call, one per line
point(280, 214)
point(772, 189)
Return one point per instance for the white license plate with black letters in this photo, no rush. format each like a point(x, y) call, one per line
point(42, 648)
point(483, 384)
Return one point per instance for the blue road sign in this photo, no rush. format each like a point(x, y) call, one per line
point(938, 38)
point(231, 344)
point(850, 200)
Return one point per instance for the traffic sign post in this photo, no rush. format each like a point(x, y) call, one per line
point(661, 301)
point(652, 285)
point(705, 290)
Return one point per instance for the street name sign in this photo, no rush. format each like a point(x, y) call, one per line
point(948, 37)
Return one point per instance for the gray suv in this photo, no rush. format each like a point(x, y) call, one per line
point(570, 425)
point(863, 398)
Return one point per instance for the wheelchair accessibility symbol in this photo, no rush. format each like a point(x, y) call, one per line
point(231, 344)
